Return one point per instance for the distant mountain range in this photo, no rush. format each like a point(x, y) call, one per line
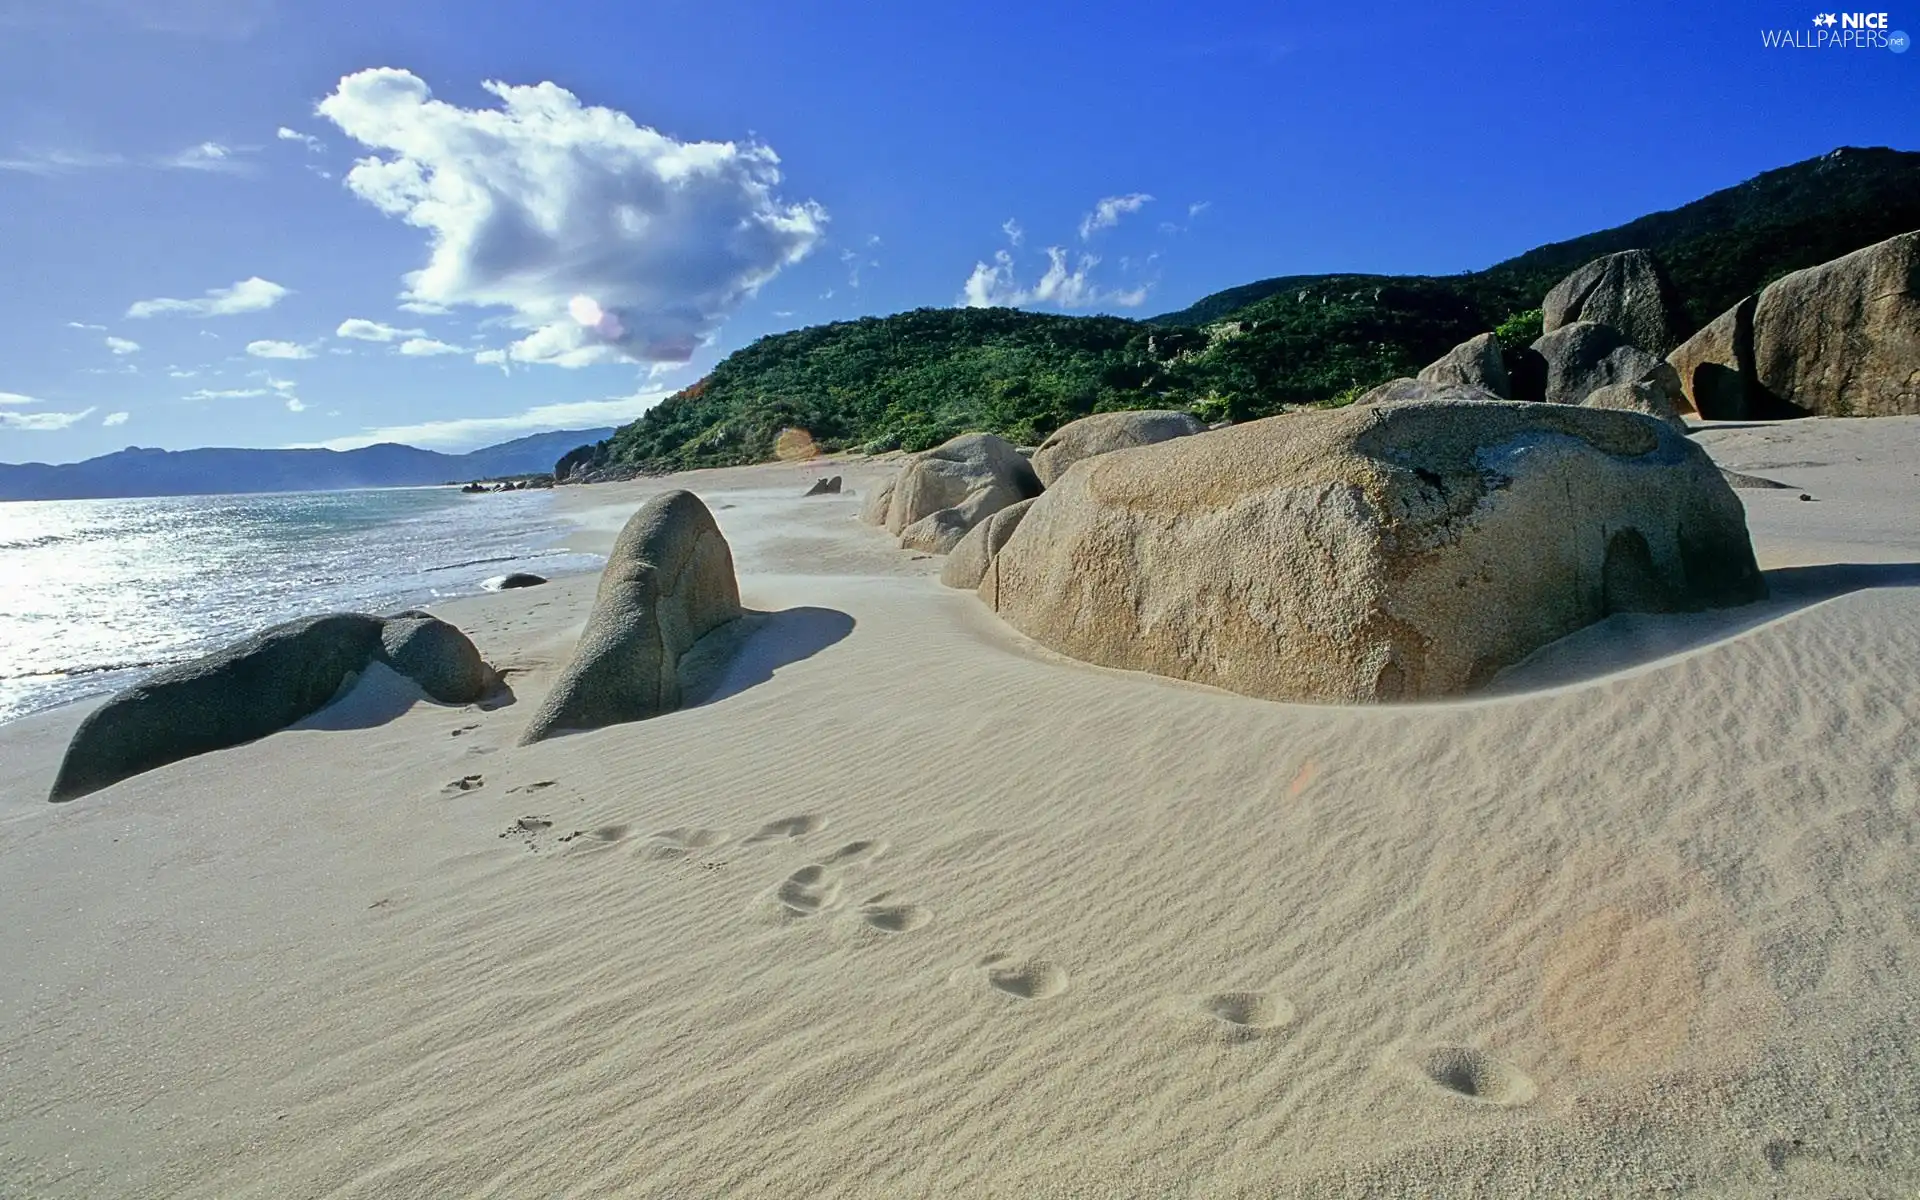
point(140, 472)
point(914, 379)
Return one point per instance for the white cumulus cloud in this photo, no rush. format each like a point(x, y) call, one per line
point(425, 347)
point(114, 418)
point(43, 422)
point(271, 349)
point(248, 295)
point(363, 330)
point(294, 404)
point(122, 346)
point(1108, 210)
point(605, 239)
point(996, 285)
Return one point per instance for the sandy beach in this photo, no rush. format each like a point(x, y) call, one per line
point(910, 906)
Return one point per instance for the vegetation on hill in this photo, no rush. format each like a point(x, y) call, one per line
point(914, 379)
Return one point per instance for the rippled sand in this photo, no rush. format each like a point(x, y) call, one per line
point(911, 907)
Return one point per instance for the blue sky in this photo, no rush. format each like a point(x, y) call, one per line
point(558, 251)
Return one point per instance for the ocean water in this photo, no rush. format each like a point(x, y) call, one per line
point(93, 593)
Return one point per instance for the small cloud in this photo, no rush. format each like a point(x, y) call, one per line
point(84, 325)
point(16, 398)
point(1108, 211)
point(273, 349)
point(1014, 233)
point(1198, 207)
point(225, 394)
point(294, 404)
point(114, 418)
point(995, 285)
point(313, 144)
point(494, 358)
point(207, 156)
point(43, 422)
point(58, 162)
point(248, 295)
point(122, 346)
point(426, 347)
point(282, 386)
point(362, 330)
point(178, 373)
point(782, 312)
point(425, 308)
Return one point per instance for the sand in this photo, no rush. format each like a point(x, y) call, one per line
point(908, 906)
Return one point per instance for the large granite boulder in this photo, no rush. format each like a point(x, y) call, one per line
point(1103, 433)
point(668, 583)
point(1838, 340)
point(1843, 339)
point(1420, 391)
point(970, 561)
point(1628, 291)
point(1476, 362)
point(261, 685)
point(1387, 552)
point(944, 492)
point(1584, 357)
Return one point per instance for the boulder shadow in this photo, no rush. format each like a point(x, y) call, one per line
point(1627, 641)
point(379, 695)
point(748, 652)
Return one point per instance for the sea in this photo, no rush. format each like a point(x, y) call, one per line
point(95, 593)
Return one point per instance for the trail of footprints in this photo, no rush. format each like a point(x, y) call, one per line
point(818, 888)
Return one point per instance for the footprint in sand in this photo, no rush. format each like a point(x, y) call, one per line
point(855, 854)
point(463, 731)
point(810, 890)
point(1475, 1075)
point(541, 786)
point(786, 829)
point(599, 838)
point(1029, 979)
point(681, 841)
point(466, 783)
point(888, 917)
point(1246, 1014)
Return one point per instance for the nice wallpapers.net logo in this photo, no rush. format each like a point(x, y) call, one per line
point(1840, 31)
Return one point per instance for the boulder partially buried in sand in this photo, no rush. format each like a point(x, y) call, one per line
point(259, 686)
point(973, 557)
point(829, 486)
point(1103, 433)
point(1388, 552)
point(668, 583)
point(1843, 339)
point(944, 492)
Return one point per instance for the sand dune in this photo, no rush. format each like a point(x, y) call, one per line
point(907, 905)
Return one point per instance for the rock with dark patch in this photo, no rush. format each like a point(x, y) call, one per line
point(1628, 292)
point(1420, 391)
point(972, 559)
point(1715, 366)
point(668, 583)
point(1373, 553)
point(1103, 433)
point(944, 492)
point(829, 486)
point(1476, 362)
point(259, 686)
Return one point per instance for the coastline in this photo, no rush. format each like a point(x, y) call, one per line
point(1089, 932)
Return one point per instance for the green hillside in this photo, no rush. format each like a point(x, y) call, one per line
point(914, 379)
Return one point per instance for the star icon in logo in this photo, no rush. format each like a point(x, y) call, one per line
point(1826, 19)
